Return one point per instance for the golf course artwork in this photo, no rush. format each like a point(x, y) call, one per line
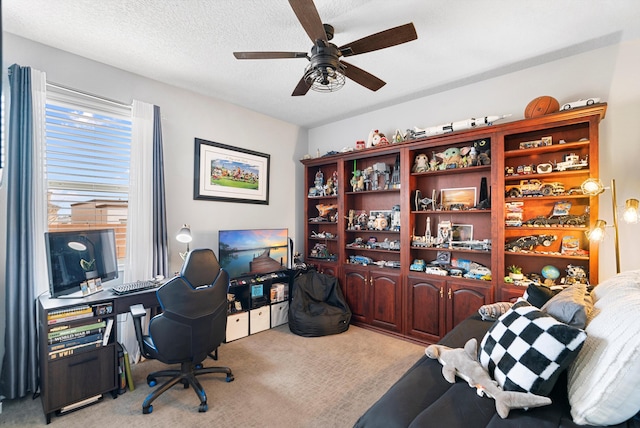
point(230, 174)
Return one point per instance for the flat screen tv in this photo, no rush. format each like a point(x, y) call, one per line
point(253, 251)
point(77, 256)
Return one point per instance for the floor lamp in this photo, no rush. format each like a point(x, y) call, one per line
point(594, 187)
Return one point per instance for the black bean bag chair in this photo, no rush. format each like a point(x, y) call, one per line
point(318, 307)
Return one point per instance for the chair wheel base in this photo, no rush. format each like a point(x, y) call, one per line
point(146, 410)
point(203, 407)
point(230, 378)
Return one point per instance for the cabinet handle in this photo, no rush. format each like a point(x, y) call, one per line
point(449, 294)
point(441, 293)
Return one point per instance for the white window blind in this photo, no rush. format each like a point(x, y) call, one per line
point(88, 146)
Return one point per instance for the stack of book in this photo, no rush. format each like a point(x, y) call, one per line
point(67, 336)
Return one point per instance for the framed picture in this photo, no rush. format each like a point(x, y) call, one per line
point(462, 198)
point(230, 174)
point(462, 232)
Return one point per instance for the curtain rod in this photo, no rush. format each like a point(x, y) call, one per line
point(87, 94)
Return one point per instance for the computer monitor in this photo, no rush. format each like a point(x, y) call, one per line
point(75, 257)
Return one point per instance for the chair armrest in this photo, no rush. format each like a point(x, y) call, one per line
point(137, 311)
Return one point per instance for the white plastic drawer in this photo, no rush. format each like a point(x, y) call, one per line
point(279, 314)
point(259, 319)
point(237, 326)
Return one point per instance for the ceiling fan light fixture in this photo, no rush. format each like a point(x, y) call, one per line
point(324, 78)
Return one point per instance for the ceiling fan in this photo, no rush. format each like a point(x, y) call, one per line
point(326, 71)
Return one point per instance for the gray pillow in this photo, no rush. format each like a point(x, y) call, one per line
point(493, 311)
point(570, 306)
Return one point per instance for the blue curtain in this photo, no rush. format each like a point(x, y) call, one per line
point(20, 365)
point(160, 255)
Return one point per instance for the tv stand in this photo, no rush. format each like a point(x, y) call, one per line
point(259, 302)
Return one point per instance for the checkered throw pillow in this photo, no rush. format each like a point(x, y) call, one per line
point(526, 349)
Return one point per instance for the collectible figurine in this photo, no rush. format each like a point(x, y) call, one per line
point(421, 163)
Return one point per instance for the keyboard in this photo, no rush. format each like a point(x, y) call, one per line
point(133, 287)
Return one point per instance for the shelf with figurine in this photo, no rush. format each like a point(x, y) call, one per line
point(545, 145)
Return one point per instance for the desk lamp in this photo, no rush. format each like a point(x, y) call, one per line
point(594, 187)
point(184, 236)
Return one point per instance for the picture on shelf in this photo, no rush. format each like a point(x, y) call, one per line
point(462, 232)
point(462, 198)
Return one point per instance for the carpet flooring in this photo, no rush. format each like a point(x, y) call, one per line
point(281, 380)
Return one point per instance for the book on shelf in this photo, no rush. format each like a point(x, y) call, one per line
point(70, 317)
point(76, 335)
point(107, 332)
point(72, 310)
point(74, 349)
point(67, 329)
point(74, 342)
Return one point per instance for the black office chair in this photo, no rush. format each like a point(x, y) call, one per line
point(191, 326)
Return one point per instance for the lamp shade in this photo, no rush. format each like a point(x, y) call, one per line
point(184, 235)
point(630, 214)
point(597, 233)
point(592, 187)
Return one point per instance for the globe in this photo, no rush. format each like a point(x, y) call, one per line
point(550, 272)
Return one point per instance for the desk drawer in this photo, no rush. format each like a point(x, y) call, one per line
point(237, 326)
point(78, 377)
point(259, 319)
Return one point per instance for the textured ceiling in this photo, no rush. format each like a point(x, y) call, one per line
point(189, 43)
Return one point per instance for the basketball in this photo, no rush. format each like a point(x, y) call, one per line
point(541, 106)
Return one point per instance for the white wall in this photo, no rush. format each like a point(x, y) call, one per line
point(610, 73)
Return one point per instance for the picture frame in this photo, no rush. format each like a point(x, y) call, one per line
point(230, 174)
point(462, 232)
point(460, 198)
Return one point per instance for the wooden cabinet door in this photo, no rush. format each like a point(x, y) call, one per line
point(425, 314)
point(328, 268)
point(356, 291)
point(386, 299)
point(465, 299)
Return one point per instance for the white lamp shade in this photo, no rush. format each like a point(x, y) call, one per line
point(184, 235)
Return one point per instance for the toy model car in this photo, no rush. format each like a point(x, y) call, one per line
point(436, 270)
point(417, 265)
point(361, 260)
point(529, 242)
point(534, 188)
point(479, 272)
point(579, 103)
point(561, 220)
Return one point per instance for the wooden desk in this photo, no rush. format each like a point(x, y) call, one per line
point(67, 378)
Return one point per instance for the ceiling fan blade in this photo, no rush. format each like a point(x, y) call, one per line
point(309, 18)
point(301, 89)
point(362, 77)
point(384, 39)
point(269, 55)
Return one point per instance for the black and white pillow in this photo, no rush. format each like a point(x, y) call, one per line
point(526, 349)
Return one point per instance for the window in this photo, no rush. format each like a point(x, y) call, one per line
point(87, 156)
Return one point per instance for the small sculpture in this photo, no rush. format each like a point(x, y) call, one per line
point(483, 149)
point(453, 157)
point(420, 163)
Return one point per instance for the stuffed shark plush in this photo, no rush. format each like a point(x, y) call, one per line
point(462, 362)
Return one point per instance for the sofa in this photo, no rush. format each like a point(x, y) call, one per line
point(597, 384)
